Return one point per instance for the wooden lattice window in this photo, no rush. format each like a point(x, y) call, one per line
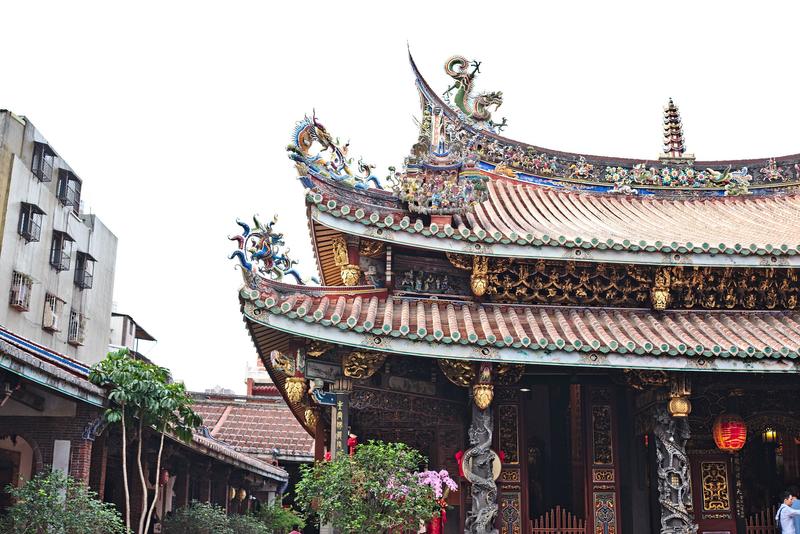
point(20, 294)
point(30, 222)
point(77, 328)
point(43, 160)
point(51, 316)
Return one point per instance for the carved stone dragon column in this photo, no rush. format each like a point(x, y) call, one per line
point(671, 431)
point(480, 459)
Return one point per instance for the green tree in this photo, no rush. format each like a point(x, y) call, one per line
point(54, 502)
point(143, 396)
point(372, 491)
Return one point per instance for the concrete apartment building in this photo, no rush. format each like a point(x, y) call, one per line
point(56, 263)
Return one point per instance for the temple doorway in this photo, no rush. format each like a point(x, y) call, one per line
point(556, 470)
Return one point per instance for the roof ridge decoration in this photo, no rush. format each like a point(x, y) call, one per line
point(330, 161)
point(473, 108)
point(674, 143)
point(675, 173)
point(261, 253)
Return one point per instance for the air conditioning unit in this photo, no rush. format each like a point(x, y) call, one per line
point(50, 318)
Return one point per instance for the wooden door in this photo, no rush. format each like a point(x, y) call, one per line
point(713, 493)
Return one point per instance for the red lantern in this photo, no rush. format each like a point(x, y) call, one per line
point(730, 432)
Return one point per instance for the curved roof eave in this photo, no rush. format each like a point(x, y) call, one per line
point(515, 355)
point(423, 237)
point(611, 160)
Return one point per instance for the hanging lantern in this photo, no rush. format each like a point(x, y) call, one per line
point(680, 406)
point(730, 432)
point(769, 435)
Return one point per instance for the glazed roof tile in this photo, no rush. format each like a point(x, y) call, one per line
point(695, 333)
point(534, 216)
point(256, 426)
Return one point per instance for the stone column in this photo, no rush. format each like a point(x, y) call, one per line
point(478, 461)
point(674, 479)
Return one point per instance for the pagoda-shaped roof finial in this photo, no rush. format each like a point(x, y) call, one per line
point(674, 143)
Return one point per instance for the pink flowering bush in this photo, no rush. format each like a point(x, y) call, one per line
point(437, 480)
point(376, 489)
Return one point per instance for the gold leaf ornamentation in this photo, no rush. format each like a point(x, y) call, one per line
point(459, 372)
point(295, 388)
point(362, 364)
point(483, 395)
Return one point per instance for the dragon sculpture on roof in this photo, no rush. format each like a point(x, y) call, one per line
point(261, 252)
point(331, 161)
point(475, 107)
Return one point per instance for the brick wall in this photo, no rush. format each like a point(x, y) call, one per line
point(41, 431)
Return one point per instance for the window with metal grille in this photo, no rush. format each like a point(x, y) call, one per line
point(69, 189)
point(84, 270)
point(51, 316)
point(60, 251)
point(20, 294)
point(77, 328)
point(43, 160)
point(30, 222)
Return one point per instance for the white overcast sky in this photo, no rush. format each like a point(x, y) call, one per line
point(176, 115)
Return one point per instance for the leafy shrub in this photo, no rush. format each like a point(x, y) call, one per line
point(247, 524)
point(54, 502)
point(280, 519)
point(198, 518)
point(374, 490)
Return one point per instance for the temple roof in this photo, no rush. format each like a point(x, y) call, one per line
point(548, 335)
point(523, 220)
point(517, 200)
point(764, 169)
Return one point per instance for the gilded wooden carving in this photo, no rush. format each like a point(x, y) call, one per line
point(716, 493)
point(459, 372)
point(295, 388)
point(370, 248)
point(483, 395)
point(602, 475)
point(361, 364)
point(659, 294)
point(351, 274)
point(508, 436)
point(601, 435)
point(316, 349)
point(508, 374)
point(479, 280)
point(340, 255)
point(679, 287)
point(311, 417)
